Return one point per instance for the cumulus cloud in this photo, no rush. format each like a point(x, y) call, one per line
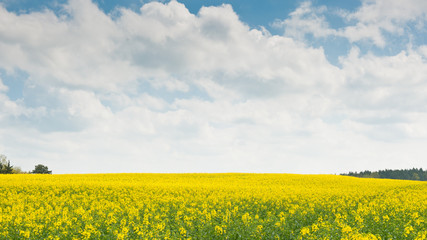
point(370, 22)
point(87, 48)
point(306, 19)
point(163, 90)
point(386, 82)
point(375, 17)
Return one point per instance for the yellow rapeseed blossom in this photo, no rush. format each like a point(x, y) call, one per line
point(210, 206)
point(305, 231)
point(219, 230)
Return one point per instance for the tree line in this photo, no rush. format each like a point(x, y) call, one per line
point(417, 174)
point(7, 168)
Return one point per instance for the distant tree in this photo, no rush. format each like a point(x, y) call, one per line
point(5, 167)
point(408, 174)
point(41, 169)
point(415, 176)
point(375, 175)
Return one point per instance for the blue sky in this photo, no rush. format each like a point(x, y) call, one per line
point(213, 86)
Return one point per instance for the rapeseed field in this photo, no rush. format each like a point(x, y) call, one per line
point(210, 206)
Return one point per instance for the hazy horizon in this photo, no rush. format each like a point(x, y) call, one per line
point(305, 87)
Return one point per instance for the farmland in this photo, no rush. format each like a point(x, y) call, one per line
point(210, 206)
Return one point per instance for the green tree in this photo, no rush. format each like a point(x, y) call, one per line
point(408, 174)
point(415, 176)
point(5, 167)
point(41, 169)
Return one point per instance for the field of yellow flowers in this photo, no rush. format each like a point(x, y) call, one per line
point(210, 206)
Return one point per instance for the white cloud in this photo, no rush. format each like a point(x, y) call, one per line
point(388, 12)
point(388, 82)
point(375, 17)
point(89, 49)
point(3, 88)
point(306, 19)
point(369, 22)
point(164, 90)
point(423, 51)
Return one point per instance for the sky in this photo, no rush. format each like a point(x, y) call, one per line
point(312, 87)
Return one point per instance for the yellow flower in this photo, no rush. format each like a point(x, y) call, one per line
point(346, 229)
point(305, 231)
point(25, 233)
point(182, 231)
point(408, 230)
point(219, 230)
point(314, 227)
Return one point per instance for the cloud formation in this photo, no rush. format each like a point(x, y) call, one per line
point(165, 90)
point(372, 22)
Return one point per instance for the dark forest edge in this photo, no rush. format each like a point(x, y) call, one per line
point(417, 174)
